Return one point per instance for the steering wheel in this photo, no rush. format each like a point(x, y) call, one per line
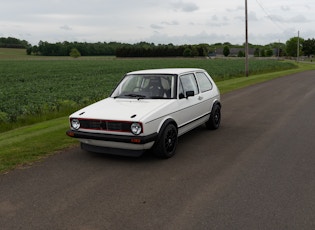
point(137, 89)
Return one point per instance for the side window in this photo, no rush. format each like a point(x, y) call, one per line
point(188, 83)
point(203, 82)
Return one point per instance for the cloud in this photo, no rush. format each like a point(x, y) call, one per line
point(295, 19)
point(65, 27)
point(299, 19)
point(252, 16)
point(236, 9)
point(156, 27)
point(202, 37)
point(165, 21)
point(184, 6)
point(285, 8)
point(215, 18)
point(172, 23)
point(216, 21)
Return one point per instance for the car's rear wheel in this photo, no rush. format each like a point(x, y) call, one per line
point(215, 117)
point(167, 143)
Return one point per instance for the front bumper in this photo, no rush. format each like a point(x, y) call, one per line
point(114, 144)
point(138, 140)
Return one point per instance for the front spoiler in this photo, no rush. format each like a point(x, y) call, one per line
point(112, 151)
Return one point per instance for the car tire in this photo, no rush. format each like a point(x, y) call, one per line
point(215, 117)
point(167, 143)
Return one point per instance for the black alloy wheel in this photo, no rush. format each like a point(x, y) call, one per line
point(215, 118)
point(166, 145)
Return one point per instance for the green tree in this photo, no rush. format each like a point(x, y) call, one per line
point(29, 50)
point(226, 51)
point(269, 52)
point(11, 42)
point(75, 53)
point(194, 51)
point(241, 54)
point(187, 52)
point(309, 47)
point(262, 52)
point(291, 46)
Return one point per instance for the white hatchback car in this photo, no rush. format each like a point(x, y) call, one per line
point(149, 109)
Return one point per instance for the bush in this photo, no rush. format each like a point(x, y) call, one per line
point(187, 52)
point(4, 117)
point(75, 53)
point(226, 51)
point(241, 54)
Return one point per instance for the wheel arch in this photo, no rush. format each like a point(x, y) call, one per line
point(165, 123)
point(216, 102)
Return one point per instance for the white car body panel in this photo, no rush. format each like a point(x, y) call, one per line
point(187, 113)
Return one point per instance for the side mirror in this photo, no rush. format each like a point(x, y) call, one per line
point(190, 94)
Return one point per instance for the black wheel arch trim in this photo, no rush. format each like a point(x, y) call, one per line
point(166, 123)
point(217, 103)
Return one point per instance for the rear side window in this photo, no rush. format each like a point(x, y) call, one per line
point(203, 82)
point(188, 83)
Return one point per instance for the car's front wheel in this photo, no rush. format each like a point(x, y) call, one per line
point(167, 143)
point(215, 117)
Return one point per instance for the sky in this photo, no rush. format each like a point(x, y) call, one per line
point(157, 21)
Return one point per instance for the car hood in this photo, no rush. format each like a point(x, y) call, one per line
point(121, 109)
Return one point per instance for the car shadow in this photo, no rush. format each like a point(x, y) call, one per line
point(148, 156)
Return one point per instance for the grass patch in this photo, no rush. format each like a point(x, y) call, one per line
point(31, 143)
point(237, 83)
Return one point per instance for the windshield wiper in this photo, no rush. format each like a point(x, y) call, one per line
point(158, 97)
point(139, 96)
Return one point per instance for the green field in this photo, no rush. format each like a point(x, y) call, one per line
point(41, 89)
point(37, 94)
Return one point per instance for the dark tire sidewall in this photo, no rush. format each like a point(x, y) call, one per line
point(215, 118)
point(167, 143)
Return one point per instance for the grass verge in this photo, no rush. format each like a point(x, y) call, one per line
point(21, 147)
point(25, 145)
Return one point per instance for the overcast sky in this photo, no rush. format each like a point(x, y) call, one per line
point(158, 21)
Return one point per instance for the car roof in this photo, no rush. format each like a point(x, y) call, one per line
point(166, 71)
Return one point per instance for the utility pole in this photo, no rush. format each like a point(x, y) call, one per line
point(279, 50)
point(298, 48)
point(246, 40)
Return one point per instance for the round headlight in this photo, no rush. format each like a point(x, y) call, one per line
point(136, 128)
point(75, 123)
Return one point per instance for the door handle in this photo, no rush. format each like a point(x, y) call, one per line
point(200, 98)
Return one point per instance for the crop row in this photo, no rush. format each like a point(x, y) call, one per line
point(33, 87)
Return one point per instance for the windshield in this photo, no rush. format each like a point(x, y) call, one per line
point(146, 87)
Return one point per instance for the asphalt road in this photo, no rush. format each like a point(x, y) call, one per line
point(256, 172)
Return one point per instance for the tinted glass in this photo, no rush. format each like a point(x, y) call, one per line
point(188, 83)
point(203, 82)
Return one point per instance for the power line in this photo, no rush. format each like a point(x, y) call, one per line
point(269, 16)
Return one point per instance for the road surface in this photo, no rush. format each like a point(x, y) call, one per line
point(256, 172)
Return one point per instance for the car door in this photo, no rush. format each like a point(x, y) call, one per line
point(189, 107)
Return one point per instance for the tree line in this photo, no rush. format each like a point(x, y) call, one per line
point(11, 42)
point(145, 49)
point(141, 49)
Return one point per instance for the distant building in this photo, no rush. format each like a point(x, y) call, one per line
point(233, 52)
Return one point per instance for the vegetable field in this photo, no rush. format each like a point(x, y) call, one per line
point(40, 89)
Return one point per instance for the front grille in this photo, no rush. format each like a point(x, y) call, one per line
point(93, 124)
point(118, 126)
